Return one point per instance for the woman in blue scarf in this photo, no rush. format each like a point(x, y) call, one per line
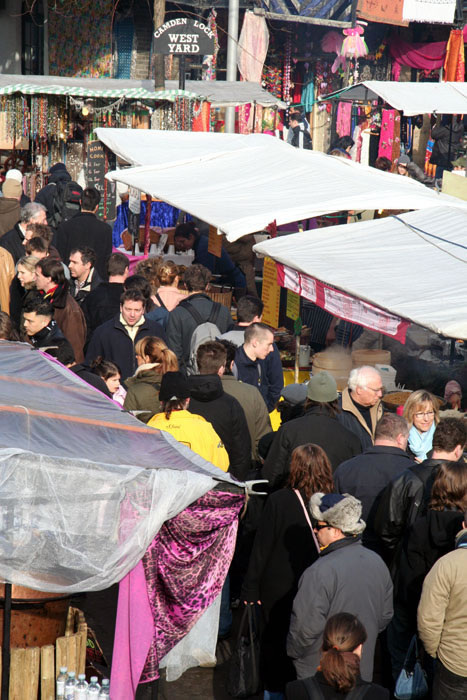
point(421, 412)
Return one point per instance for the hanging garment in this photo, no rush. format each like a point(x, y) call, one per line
point(454, 64)
point(344, 118)
point(252, 47)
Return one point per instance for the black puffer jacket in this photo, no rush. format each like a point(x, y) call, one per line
point(226, 416)
point(430, 538)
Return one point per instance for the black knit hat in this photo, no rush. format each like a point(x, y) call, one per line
point(174, 385)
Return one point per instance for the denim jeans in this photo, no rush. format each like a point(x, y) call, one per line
point(448, 685)
point(225, 616)
point(273, 695)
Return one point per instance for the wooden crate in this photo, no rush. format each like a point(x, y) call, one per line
point(38, 667)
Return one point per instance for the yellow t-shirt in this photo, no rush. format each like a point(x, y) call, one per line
point(196, 433)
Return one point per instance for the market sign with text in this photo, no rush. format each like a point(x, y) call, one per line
point(183, 35)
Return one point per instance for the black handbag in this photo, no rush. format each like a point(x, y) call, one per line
point(244, 679)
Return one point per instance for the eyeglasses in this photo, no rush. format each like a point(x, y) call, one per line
point(320, 527)
point(379, 389)
point(426, 414)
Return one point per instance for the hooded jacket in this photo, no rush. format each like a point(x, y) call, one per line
point(9, 213)
point(352, 419)
point(319, 426)
point(196, 433)
point(143, 391)
point(45, 196)
point(256, 413)
point(209, 400)
point(346, 577)
point(442, 618)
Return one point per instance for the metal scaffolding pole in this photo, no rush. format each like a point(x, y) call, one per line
point(232, 60)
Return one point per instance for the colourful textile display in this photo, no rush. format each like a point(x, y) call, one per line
point(389, 140)
point(202, 121)
point(180, 576)
point(162, 214)
point(252, 47)
point(210, 62)
point(344, 118)
point(79, 40)
point(124, 32)
point(454, 65)
point(429, 11)
point(422, 56)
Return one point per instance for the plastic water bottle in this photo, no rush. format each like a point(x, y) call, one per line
point(105, 690)
point(93, 689)
point(70, 686)
point(60, 683)
point(81, 688)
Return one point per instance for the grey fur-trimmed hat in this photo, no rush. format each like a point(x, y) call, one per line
point(340, 511)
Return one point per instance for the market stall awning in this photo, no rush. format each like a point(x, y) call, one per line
point(410, 98)
point(84, 486)
point(219, 93)
point(413, 267)
point(328, 13)
point(243, 190)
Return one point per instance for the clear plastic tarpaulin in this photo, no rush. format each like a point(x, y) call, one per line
point(84, 486)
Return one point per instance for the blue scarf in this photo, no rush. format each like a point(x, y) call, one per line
point(421, 443)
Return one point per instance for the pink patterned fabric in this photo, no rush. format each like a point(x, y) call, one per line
point(386, 138)
point(422, 56)
point(180, 576)
point(344, 118)
point(252, 47)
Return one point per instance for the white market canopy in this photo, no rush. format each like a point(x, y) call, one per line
point(240, 184)
point(218, 92)
point(416, 272)
point(410, 98)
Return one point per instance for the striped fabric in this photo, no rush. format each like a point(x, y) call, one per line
point(135, 93)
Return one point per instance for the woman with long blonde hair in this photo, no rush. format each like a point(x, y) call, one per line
point(154, 360)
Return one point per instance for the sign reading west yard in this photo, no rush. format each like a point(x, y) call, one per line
point(184, 36)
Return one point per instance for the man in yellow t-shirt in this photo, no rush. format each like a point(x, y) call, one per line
point(188, 428)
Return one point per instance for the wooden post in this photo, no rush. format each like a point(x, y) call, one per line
point(159, 64)
point(48, 674)
point(24, 674)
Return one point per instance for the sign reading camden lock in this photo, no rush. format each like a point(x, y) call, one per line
point(185, 36)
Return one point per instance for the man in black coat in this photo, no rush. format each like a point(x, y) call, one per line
point(319, 425)
point(103, 303)
point(13, 241)
point(223, 411)
point(115, 340)
point(84, 229)
point(366, 475)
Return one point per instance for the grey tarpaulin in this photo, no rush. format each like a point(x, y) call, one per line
point(84, 486)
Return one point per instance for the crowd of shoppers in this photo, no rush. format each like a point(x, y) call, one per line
point(364, 520)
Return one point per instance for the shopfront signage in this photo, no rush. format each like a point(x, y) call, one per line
point(184, 36)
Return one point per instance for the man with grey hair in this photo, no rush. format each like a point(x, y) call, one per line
point(360, 403)
point(367, 475)
point(346, 577)
point(12, 247)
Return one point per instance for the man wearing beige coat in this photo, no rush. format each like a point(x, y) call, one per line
point(442, 620)
point(360, 404)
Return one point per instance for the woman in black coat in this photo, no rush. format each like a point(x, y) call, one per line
point(338, 676)
point(433, 535)
point(284, 547)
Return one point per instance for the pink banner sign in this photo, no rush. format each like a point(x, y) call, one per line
point(341, 304)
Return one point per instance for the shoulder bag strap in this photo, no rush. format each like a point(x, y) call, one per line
point(192, 311)
point(214, 315)
point(299, 496)
point(159, 299)
point(312, 688)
